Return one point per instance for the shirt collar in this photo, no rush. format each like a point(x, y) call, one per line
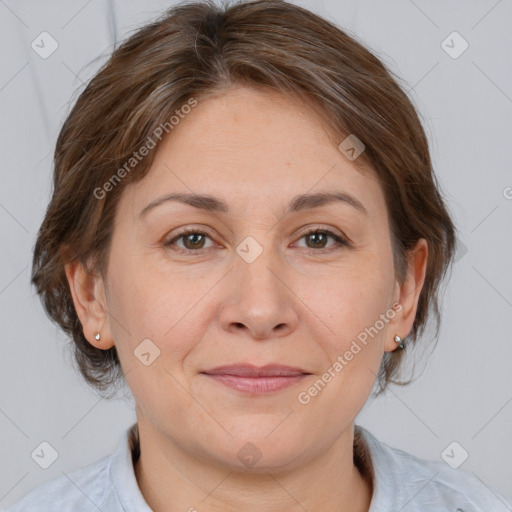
point(122, 473)
point(380, 464)
point(370, 457)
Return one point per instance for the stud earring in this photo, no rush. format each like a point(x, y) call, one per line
point(98, 336)
point(400, 341)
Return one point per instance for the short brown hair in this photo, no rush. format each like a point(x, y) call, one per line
point(198, 49)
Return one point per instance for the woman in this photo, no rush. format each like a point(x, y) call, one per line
point(246, 230)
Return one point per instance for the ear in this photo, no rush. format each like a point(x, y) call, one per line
point(88, 292)
point(408, 293)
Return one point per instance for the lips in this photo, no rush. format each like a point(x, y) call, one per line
point(249, 370)
point(256, 380)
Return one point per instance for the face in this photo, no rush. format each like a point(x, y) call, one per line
point(248, 285)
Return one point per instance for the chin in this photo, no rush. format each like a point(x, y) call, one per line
point(259, 448)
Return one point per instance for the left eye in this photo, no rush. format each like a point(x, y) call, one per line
point(194, 240)
point(321, 235)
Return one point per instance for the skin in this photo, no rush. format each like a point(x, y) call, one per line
point(255, 150)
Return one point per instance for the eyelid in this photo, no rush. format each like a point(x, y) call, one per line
point(323, 229)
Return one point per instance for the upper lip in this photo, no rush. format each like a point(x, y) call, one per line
point(250, 370)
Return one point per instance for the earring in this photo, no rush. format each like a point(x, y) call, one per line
point(98, 337)
point(400, 341)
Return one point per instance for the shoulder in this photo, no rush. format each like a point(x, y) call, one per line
point(79, 490)
point(455, 489)
point(417, 484)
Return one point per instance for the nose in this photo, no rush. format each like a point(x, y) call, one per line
point(259, 301)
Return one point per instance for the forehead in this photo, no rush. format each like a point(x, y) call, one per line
point(254, 148)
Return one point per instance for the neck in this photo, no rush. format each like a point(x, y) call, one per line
point(172, 480)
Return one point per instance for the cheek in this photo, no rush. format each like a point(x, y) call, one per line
point(354, 299)
point(168, 309)
point(352, 306)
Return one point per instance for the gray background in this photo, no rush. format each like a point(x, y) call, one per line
point(463, 394)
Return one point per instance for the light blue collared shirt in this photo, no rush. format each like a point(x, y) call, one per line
point(401, 481)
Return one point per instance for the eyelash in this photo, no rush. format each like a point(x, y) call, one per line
point(340, 241)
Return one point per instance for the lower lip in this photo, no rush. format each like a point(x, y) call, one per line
point(257, 385)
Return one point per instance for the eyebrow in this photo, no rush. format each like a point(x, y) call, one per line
point(217, 205)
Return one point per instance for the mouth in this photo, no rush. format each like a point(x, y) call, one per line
point(252, 379)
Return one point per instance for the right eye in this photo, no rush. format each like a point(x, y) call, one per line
point(193, 237)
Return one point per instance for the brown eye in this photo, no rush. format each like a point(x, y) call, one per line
point(193, 240)
point(319, 237)
point(196, 240)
